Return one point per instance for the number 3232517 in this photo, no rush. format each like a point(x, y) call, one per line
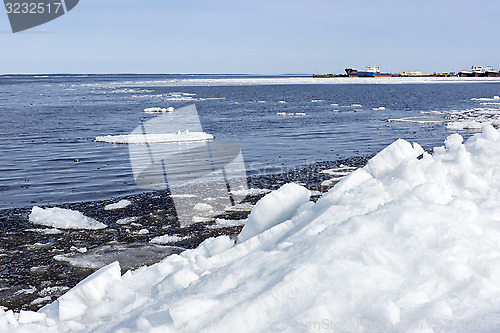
point(33, 7)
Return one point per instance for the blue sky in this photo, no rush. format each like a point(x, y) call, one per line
point(261, 37)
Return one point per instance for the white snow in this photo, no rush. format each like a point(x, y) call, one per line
point(63, 219)
point(185, 136)
point(409, 243)
point(118, 205)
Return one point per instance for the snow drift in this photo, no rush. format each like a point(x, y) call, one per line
point(410, 242)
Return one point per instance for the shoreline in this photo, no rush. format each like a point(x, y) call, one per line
point(32, 277)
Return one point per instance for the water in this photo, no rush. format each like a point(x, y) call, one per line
point(48, 154)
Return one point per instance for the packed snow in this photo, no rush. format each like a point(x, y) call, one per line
point(118, 205)
point(63, 219)
point(408, 243)
point(180, 136)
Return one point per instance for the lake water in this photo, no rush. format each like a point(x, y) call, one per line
point(49, 123)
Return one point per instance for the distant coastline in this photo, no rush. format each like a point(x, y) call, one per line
point(374, 71)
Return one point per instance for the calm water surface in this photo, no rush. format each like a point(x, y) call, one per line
point(49, 123)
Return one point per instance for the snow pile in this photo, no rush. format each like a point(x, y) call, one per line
point(63, 219)
point(119, 205)
point(185, 136)
point(409, 243)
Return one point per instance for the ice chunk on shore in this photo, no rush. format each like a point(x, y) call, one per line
point(274, 208)
point(168, 239)
point(88, 293)
point(63, 219)
point(118, 205)
point(180, 137)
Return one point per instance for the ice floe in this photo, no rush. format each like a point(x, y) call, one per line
point(63, 219)
point(128, 255)
point(296, 114)
point(410, 240)
point(495, 98)
point(184, 136)
point(420, 120)
point(157, 109)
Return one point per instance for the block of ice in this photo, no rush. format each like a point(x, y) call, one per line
point(274, 208)
point(90, 291)
point(118, 205)
point(63, 219)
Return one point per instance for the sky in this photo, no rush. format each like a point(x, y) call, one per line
point(257, 37)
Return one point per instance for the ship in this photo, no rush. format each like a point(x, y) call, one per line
point(371, 71)
point(479, 71)
point(351, 72)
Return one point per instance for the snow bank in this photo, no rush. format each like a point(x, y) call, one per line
point(63, 219)
point(185, 136)
point(409, 243)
